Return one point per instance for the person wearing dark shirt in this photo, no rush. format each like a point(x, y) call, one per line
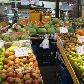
point(15, 17)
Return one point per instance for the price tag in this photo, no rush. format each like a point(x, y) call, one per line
point(63, 30)
point(81, 39)
point(80, 50)
point(26, 43)
point(21, 52)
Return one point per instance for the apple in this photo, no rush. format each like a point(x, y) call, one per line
point(27, 76)
point(5, 61)
point(1, 51)
point(1, 59)
point(36, 82)
point(73, 53)
point(3, 75)
point(19, 75)
point(5, 83)
point(1, 67)
point(1, 63)
point(12, 57)
point(35, 75)
point(17, 80)
point(82, 57)
point(10, 74)
point(28, 82)
point(10, 79)
point(81, 68)
point(10, 63)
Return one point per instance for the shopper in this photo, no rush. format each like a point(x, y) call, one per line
point(15, 17)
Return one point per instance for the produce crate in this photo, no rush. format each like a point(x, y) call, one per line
point(67, 62)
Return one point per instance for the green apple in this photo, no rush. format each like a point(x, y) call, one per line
point(1, 67)
point(1, 59)
point(81, 68)
point(0, 80)
point(1, 63)
point(73, 53)
point(1, 51)
point(82, 57)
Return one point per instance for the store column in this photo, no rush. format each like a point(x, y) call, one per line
point(57, 9)
point(82, 8)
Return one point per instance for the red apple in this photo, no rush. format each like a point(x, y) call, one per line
point(10, 79)
point(36, 82)
point(5, 83)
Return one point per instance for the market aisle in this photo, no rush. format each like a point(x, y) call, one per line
point(49, 74)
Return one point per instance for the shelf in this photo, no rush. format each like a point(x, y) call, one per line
point(67, 63)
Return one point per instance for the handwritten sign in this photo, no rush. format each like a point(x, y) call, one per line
point(21, 52)
point(63, 30)
point(80, 50)
point(81, 39)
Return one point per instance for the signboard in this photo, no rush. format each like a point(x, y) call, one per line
point(21, 52)
point(81, 39)
point(36, 2)
point(25, 2)
point(80, 50)
point(63, 30)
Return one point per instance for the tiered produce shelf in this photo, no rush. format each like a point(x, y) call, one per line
point(67, 63)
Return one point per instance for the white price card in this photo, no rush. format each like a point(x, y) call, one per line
point(63, 30)
point(81, 39)
point(80, 50)
point(21, 52)
point(26, 43)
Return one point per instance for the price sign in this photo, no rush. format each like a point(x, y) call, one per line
point(81, 39)
point(80, 50)
point(24, 2)
point(26, 43)
point(21, 52)
point(63, 30)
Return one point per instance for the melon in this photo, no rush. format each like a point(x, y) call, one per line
point(47, 26)
point(41, 31)
point(32, 31)
point(70, 29)
point(51, 30)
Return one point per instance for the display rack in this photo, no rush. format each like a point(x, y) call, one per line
point(67, 62)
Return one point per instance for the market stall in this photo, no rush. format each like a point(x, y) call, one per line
point(18, 64)
point(70, 46)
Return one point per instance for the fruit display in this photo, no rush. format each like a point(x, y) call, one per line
point(80, 32)
point(23, 22)
point(70, 44)
point(1, 58)
point(79, 22)
point(37, 27)
point(15, 36)
point(20, 70)
point(3, 24)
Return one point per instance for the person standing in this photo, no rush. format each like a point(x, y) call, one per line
point(15, 17)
